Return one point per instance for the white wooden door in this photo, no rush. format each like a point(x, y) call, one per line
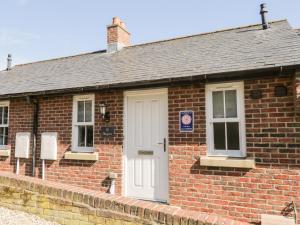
point(146, 145)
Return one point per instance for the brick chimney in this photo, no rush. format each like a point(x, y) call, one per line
point(117, 36)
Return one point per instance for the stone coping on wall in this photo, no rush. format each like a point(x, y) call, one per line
point(148, 212)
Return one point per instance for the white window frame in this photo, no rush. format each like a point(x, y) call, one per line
point(75, 124)
point(5, 104)
point(239, 87)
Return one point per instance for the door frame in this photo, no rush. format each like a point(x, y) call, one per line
point(141, 92)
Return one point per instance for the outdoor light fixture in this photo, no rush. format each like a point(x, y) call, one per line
point(104, 114)
point(102, 108)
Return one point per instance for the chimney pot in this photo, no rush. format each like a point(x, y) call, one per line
point(9, 60)
point(116, 21)
point(117, 36)
point(263, 13)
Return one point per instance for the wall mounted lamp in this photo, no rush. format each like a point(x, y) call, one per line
point(104, 113)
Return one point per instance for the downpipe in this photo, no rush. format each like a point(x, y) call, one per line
point(35, 104)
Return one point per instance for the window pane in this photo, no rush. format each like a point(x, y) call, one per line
point(5, 117)
point(1, 115)
point(1, 135)
point(88, 111)
point(219, 136)
point(90, 136)
point(81, 136)
point(233, 140)
point(231, 104)
point(5, 136)
point(80, 111)
point(218, 104)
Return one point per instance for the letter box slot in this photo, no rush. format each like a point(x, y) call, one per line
point(145, 152)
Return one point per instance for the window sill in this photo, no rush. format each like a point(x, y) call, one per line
point(5, 152)
point(216, 161)
point(82, 156)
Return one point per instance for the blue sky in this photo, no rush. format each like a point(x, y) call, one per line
point(33, 30)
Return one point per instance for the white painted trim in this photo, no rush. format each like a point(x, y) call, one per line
point(124, 170)
point(142, 92)
point(5, 104)
point(146, 92)
point(239, 86)
point(167, 146)
point(74, 146)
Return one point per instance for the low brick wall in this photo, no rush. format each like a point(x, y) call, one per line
point(77, 206)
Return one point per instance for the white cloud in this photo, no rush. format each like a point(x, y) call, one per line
point(15, 38)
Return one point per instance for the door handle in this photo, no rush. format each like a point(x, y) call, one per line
point(164, 143)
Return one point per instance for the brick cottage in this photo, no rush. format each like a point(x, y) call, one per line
point(207, 122)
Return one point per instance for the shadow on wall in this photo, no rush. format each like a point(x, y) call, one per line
point(48, 164)
point(22, 162)
point(106, 183)
point(3, 158)
point(68, 162)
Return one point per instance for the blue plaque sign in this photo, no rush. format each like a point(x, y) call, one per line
point(186, 121)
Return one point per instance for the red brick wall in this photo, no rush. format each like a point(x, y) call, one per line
point(273, 138)
point(117, 34)
point(55, 115)
point(20, 120)
point(273, 134)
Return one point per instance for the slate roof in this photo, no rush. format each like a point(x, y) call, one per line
point(238, 49)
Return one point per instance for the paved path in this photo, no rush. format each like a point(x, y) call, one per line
point(13, 217)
